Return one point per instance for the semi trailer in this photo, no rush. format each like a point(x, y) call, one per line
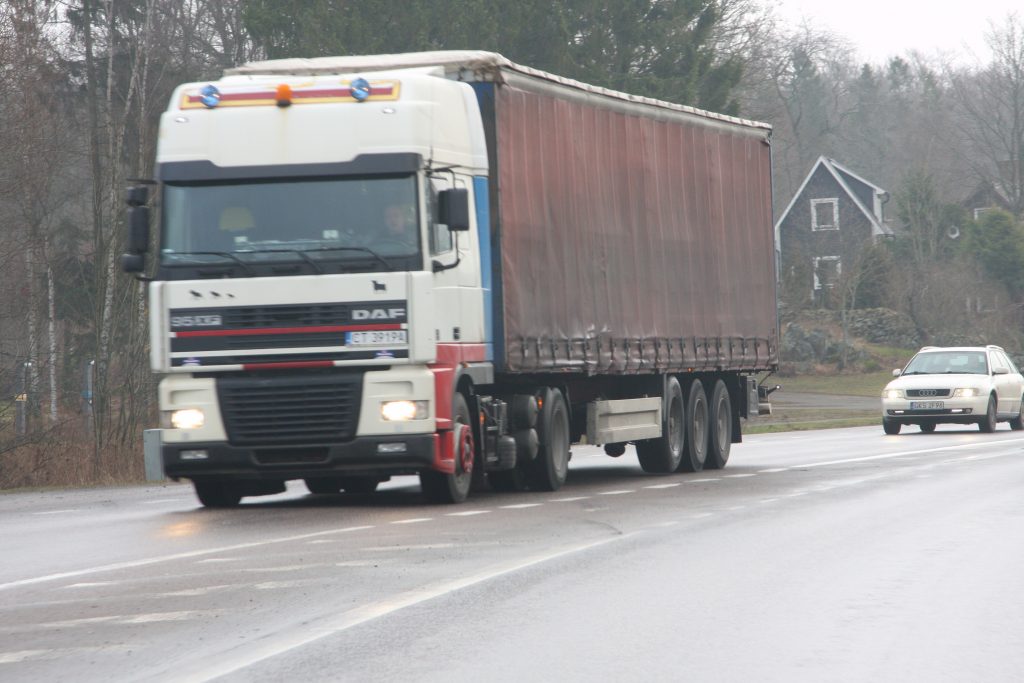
point(450, 265)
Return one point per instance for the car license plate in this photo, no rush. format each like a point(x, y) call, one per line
point(376, 338)
point(926, 405)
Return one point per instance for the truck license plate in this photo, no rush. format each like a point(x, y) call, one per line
point(376, 338)
point(926, 405)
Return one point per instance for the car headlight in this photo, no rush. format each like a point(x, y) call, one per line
point(188, 418)
point(401, 411)
point(892, 393)
point(966, 392)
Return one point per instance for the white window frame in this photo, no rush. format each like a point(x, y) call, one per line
point(834, 201)
point(839, 271)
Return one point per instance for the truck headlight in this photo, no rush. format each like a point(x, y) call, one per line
point(892, 393)
point(188, 418)
point(966, 392)
point(401, 411)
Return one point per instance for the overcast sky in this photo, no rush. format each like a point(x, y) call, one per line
point(880, 29)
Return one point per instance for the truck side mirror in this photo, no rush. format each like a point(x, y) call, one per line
point(453, 208)
point(138, 230)
point(136, 195)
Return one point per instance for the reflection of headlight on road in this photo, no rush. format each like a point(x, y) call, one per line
point(401, 411)
point(188, 418)
point(966, 392)
point(892, 393)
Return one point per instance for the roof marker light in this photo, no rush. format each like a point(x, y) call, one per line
point(210, 96)
point(360, 89)
point(284, 95)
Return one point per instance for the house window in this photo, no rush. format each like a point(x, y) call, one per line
point(825, 214)
point(827, 270)
point(978, 212)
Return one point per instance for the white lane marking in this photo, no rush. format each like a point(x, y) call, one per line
point(250, 653)
point(740, 476)
point(768, 500)
point(215, 560)
point(900, 454)
point(57, 512)
point(132, 564)
point(736, 508)
point(159, 501)
point(165, 616)
point(286, 568)
point(22, 655)
point(202, 590)
point(568, 500)
point(701, 515)
point(795, 494)
point(56, 653)
point(467, 513)
point(773, 470)
point(619, 492)
point(521, 506)
point(92, 584)
point(357, 563)
point(413, 520)
point(662, 486)
point(275, 585)
point(119, 619)
point(700, 481)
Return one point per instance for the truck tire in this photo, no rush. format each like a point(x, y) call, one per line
point(695, 452)
point(508, 481)
point(217, 494)
point(720, 427)
point(323, 486)
point(549, 469)
point(663, 455)
point(444, 488)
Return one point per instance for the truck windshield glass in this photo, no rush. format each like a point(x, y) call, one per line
point(300, 220)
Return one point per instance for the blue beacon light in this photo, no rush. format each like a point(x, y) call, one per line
point(360, 89)
point(209, 96)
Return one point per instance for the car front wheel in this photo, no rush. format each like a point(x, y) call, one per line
point(890, 426)
point(988, 423)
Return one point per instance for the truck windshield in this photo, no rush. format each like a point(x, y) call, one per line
point(315, 222)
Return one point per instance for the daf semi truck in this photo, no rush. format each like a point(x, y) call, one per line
point(450, 265)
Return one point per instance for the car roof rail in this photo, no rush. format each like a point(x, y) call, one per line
point(993, 346)
point(928, 348)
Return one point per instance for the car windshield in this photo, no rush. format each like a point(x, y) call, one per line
point(303, 219)
point(948, 362)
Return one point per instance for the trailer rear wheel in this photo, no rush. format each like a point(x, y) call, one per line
point(663, 455)
point(441, 487)
point(696, 449)
point(549, 469)
point(720, 421)
point(218, 494)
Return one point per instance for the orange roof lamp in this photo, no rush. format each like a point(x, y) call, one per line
point(284, 95)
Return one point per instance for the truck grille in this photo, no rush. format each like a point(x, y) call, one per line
point(292, 410)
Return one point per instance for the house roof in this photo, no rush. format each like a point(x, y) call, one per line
point(842, 175)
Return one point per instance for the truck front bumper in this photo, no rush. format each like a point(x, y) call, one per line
point(383, 456)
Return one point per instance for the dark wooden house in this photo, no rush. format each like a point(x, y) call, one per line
point(833, 215)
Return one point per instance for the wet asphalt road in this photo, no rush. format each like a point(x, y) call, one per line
point(841, 555)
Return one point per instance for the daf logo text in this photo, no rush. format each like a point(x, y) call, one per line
point(378, 313)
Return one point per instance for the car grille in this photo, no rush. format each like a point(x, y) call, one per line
point(298, 409)
point(927, 393)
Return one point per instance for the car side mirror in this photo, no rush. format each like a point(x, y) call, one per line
point(453, 208)
point(1000, 371)
point(897, 372)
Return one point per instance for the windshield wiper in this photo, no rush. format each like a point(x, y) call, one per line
point(300, 252)
point(223, 254)
point(371, 252)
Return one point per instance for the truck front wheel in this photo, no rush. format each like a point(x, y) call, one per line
point(217, 494)
point(440, 487)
